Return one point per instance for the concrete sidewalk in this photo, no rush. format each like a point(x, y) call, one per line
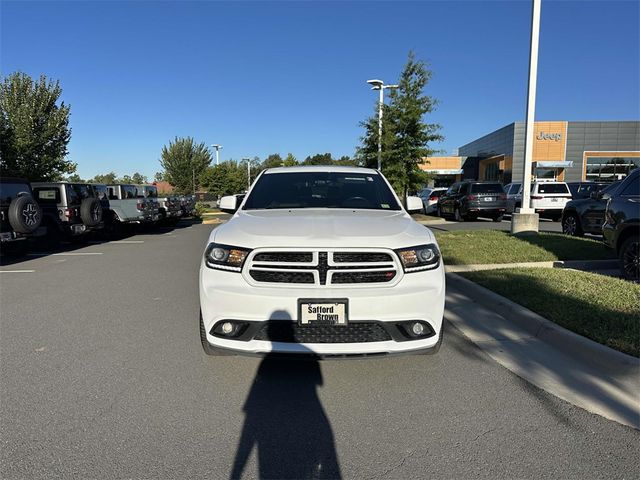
point(573, 368)
point(585, 265)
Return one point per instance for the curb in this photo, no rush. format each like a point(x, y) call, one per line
point(587, 265)
point(545, 330)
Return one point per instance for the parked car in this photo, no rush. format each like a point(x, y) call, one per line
point(429, 197)
point(585, 189)
point(149, 193)
point(548, 198)
point(586, 215)
point(469, 199)
point(169, 209)
point(514, 196)
point(128, 209)
point(321, 260)
point(70, 211)
point(20, 214)
point(621, 227)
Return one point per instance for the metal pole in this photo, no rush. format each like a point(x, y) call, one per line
point(380, 103)
point(217, 156)
point(248, 174)
point(531, 108)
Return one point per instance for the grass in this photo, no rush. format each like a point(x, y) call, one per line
point(469, 247)
point(604, 309)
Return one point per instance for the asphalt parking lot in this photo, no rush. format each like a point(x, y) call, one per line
point(103, 376)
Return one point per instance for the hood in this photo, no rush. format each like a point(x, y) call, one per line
point(322, 228)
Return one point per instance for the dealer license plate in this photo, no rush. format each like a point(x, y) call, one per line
point(554, 199)
point(327, 312)
point(488, 199)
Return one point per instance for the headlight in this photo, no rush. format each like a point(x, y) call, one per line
point(225, 257)
point(416, 259)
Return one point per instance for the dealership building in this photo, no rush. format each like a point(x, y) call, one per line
point(566, 151)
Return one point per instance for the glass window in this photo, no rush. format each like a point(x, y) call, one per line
point(609, 169)
point(315, 189)
point(553, 188)
point(101, 191)
point(631, 187)
point(9, 191)
point(73, 196)
point(113, 193)
point(515, 188)
point(486, 188)
point(47, 195)
point(129, 191)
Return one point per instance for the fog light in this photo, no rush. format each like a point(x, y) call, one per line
point(227, 328)
point(417, 328)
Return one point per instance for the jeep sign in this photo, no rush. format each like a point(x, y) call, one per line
point(549, 136)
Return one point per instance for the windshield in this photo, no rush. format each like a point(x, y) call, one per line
point(321, 190)
point(486, 188)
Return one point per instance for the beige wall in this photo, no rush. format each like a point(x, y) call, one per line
point(442, 163)
point(549, 148)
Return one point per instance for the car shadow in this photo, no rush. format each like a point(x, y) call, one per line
point(284, 419)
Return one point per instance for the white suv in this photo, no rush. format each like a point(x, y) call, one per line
point(325, 261)
point(548, 197)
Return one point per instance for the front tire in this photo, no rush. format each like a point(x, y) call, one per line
point(571, 226)
point(630, 259)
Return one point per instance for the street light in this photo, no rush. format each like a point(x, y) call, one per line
point(379, 85)
point(248, 172)
point(217, 147)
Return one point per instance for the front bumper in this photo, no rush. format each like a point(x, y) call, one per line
point(418, 296)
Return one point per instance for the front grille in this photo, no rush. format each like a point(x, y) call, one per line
point(284, 257)
point(323, 267)
point(282, 277)
point(289, 332)
point(363, 277)
point(361, 257)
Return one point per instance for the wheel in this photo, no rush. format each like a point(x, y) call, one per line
point(24, 214)
point(206, 346)
point(497, 218)
point(91, 212)
point(571, 225)
point(458, 217)
point(630, 259)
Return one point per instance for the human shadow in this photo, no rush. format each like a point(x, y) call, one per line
point(285, 421)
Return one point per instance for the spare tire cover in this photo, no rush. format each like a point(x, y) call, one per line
point(25, 214)
point(91, 212)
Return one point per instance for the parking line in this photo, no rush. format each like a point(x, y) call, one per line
point(17, 271)
point(127, 241)
point(75, 254)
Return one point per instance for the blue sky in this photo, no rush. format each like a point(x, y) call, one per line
point(265, 77)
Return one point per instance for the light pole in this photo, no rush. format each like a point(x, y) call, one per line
point(218, 148)
point(380, 86)
point(526, 220)
point(248, 172)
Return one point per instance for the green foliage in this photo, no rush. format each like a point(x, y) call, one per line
point(318, 159)
point(34, 128)
point(183, 160)
point(126, 179)
point(227, 178)
point(158, 177)
point(406, 138)
point(108, 178)
point(272, 161)
point(201, 208)
point(75, 178)
point(290, 160)
point(139, 179)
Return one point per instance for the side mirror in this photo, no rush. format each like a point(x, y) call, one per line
point(229, 204)
point(414, 204)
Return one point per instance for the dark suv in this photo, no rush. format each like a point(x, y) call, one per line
point(621, 227)
point(20, 214)
point(469, 200)
point(69, 210)
point(586, 215)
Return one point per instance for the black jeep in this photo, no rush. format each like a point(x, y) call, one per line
point(20, 214)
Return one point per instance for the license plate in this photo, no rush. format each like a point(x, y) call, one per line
point(554, 199)
point(323, 311)
point(488, 199)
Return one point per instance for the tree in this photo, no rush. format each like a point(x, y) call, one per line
point(227, 178)
point(406, 137)
point(34, 128)
point(108, 178)
point(273, 160)
point(75, 178)
point(158, 177)
point(139, 179)
point(126, 179)
point(319, 159)
point(290, 161)
point(346, 161)
point(184, 161)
